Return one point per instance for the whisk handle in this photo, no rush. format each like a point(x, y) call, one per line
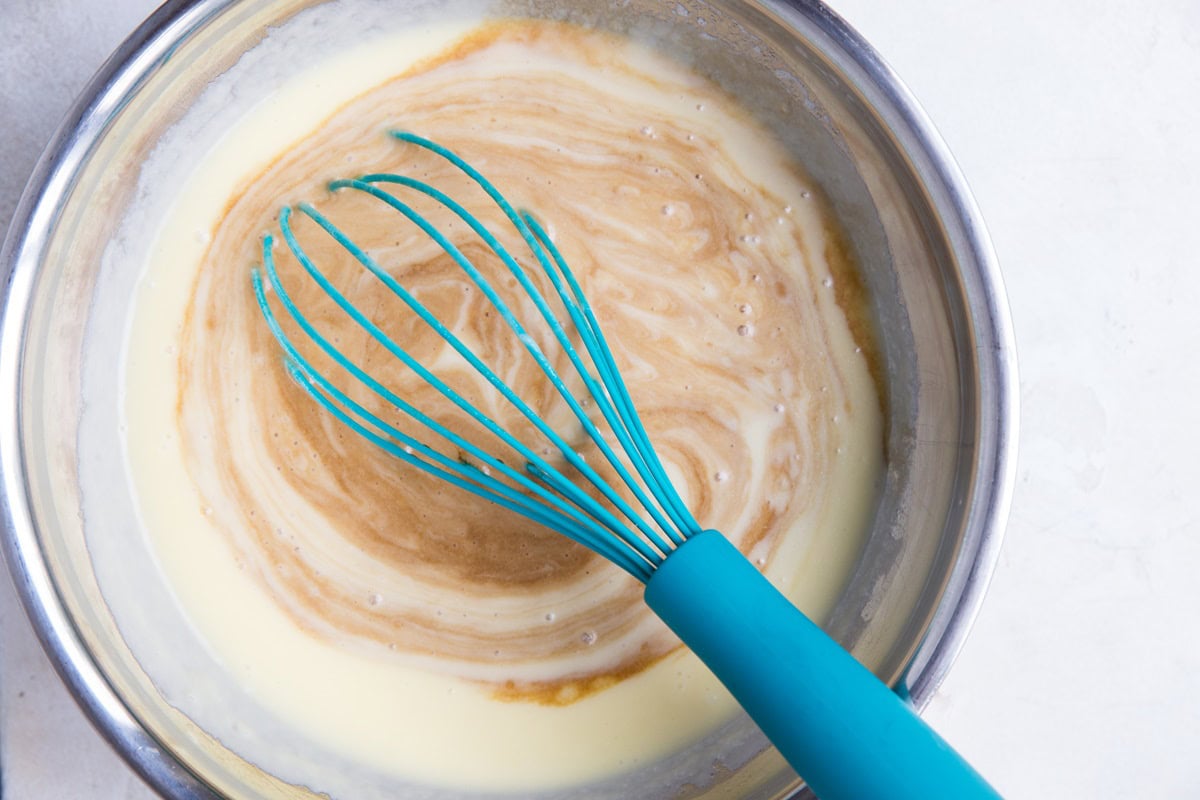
point(843, 730)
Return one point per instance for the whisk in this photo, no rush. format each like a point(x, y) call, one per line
point(845, 732)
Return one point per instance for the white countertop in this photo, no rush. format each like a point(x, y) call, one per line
point(1077, 125)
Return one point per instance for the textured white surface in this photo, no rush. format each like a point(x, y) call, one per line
point(1078, 127)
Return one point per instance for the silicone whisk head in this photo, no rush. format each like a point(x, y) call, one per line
point(636, 528)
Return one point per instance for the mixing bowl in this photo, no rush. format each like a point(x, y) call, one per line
point(72, 541)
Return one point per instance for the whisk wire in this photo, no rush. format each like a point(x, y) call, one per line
point(549, 474)
point(542, 492)
point(551, 510)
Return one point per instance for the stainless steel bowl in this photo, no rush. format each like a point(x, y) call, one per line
point(935, 288)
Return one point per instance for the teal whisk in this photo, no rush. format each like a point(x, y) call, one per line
point(845, 732)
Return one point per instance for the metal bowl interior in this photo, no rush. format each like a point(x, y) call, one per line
point(935, 291)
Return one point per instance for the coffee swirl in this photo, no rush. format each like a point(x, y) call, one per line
point(715, 293)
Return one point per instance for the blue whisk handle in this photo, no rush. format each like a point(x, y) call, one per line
point(843, 730)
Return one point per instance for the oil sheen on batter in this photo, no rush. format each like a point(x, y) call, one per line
point(725, 293)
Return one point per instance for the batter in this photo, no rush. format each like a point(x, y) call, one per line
point(404, 624)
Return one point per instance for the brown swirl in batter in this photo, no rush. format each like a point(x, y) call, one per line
point(706, 285)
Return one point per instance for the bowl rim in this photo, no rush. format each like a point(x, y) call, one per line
point(135, 59)
point(994, 342)
point(148, 47)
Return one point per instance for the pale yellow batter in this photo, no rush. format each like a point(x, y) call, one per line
point(405, 625)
